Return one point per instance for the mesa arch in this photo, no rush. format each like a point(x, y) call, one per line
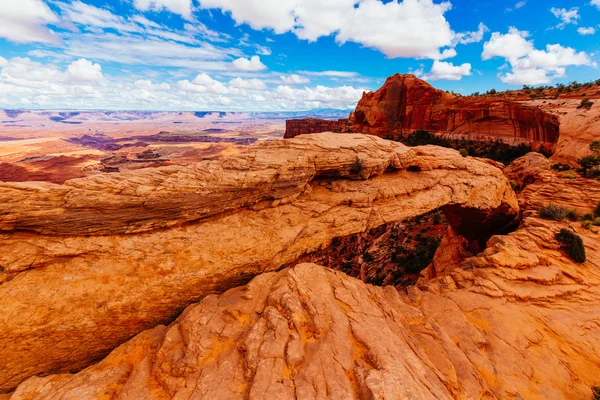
point(89, 264)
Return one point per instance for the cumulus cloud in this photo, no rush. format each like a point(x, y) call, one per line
point(472, 37)
point(320, 96)
point(567, 17)
point(529, 65)
point(596, 3)
point(252, 64)
point(26, 21)
point(83, 70)
point(587, 31)
point(294, 79)
point(203, 83)
point(250, 84)
point(408, 28)
point(181, 7)
point(446, 71)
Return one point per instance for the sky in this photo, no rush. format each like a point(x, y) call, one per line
point(275, 55)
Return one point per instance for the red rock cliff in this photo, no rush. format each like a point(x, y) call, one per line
point(405, 104)
point(295, 127)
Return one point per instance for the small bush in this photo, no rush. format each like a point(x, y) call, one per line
point(358, 167)
point(569, 176)
point(586, 103)
point(587, 225)
point(596, 222)
point(561, 167)
point(464, 152)
point(597, 210)
point(596, 389)
point(572, 244)
point(367, 257)
point(572, 215)
point(553, 212)
point(587, 217)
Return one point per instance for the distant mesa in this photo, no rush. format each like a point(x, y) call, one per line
point(406, 104)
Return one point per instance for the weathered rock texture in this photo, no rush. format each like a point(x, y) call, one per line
point(519, 321)
point(88, 264)
point(297, 127)
point(578, 127)
point(406, 104)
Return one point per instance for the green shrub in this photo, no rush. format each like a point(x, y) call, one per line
point(596, 389)
point(572, 244)
point(561, 167)
point(587, 163)
point(572, 215)
point(586, 103)
point(553, 212)
point(587, 217)
point(597, 210)
point(587, 225)
point(596, 222)
point(464, 152)
point(358, 167)
point(570, 176)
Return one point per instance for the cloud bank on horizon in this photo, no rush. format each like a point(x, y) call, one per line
point(280, 54)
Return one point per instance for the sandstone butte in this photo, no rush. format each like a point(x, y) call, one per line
point(91, 263)
point(405, 104)
point(519, 320)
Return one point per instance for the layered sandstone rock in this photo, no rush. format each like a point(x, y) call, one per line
point(518, 321)
point(406, 104)
point(88, 264)
point(297, 127)
point(578, 127)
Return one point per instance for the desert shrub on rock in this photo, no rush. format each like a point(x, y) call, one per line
point(553, 212)
point(596, 389)
point(572, 244)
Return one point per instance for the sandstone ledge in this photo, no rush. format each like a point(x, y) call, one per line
point(89, 264)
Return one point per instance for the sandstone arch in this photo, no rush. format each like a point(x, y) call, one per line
point(89, 264)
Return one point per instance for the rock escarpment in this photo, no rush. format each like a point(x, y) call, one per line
point(406, 104)
point(297, 127)
point(91, 263)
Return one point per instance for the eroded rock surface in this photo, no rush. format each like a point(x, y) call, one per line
point(406, 104)
point(91, 263)
point(518, 321)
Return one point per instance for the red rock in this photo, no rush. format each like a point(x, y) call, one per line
point(296, 127)
point(406, 104)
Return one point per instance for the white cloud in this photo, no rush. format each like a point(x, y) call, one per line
point(294, 79)
point(181, 7)
point(83, 70)
point(529, 65)
point(331, 74)
point(26, 21)
point(250, 84)
point(252, 64)
point(587, 31)
point(510, 46)
point(566, 16)
point(408, 28)
point(596, 3)
point(447, 71)
point(319, 96)
point(471, 37)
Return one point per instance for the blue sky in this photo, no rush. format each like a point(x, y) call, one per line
point(281, 54)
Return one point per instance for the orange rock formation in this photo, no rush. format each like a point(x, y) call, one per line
point(88, 264)
point(406, 104)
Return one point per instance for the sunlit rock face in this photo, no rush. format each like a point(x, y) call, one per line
point(91, 263)
point(405, 104)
